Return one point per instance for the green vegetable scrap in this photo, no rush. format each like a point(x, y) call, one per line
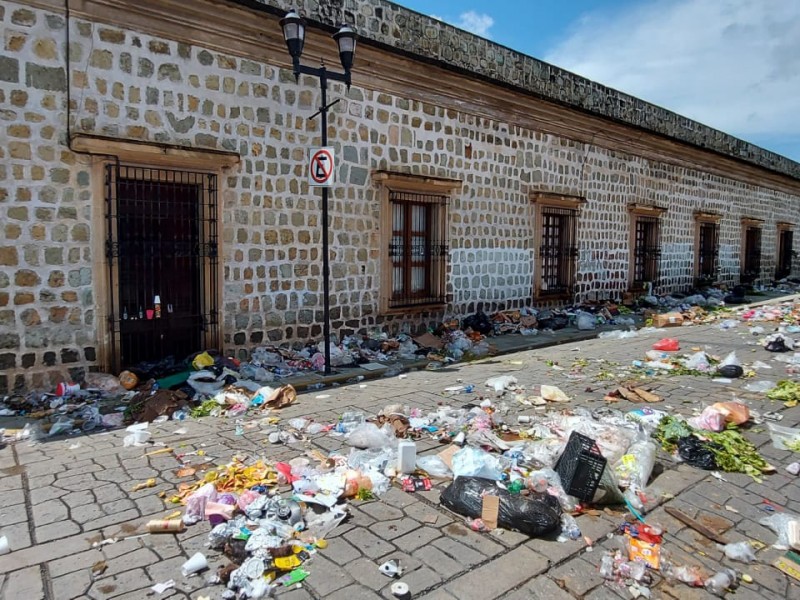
point(205, 409)
point(732, 452)
point(786, 391)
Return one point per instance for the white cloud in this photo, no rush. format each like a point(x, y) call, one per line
point(471, 21)
point(731, 64)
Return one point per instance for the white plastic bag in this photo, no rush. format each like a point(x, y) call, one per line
point(501, 383)
point(761, 387)
point(474, 462)
point(434, 466)
point(368, 435)
point(636, 465)
point(741, 551)
point(697, 362)
point(779, 523)
point(586, 321)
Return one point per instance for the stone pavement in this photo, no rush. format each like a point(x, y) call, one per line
point(58, 497)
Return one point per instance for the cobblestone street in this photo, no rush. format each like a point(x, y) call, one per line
point(59, 497)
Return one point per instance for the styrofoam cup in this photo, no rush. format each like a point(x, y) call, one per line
point(4, 548)
point(194, 565)
point(141, 437)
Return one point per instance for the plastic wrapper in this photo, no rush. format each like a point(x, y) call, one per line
point(474, 462)
point(779, 523)
point(501, 383)
point(434, 466)
point(760, 387)
point(534, 515)
point(206, 383)
point(741, 551)
point(195, 509)
point(719, 583)
point(711, 419)
point(104, 382)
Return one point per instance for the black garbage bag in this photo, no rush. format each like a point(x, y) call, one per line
point(534, 515)
point(550, 320)
point(730, 371)
point(777, 345)
point(697, 452)
point(478, 322)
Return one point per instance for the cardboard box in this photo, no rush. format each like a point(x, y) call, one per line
point(671, 319)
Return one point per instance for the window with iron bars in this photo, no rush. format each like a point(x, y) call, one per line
point(646, 250)
point(558, 251)
point(751, 264)
point(707, 251)
point(785, 242)
point(418, 249)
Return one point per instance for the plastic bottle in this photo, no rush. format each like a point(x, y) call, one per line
point(157, 306)
point(179, 415)
point(719, 583)
point(607, 567)
point(239, 427)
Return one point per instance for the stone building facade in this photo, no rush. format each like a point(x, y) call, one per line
point(506, 155)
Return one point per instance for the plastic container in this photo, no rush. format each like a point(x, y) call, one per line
point(406, 456)
point(580, 467)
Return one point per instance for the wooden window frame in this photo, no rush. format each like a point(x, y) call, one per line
point(702, 221)
point(542, 203)
point(640, 213)
point(393, 186)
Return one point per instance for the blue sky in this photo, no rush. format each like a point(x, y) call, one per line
point(731, 64)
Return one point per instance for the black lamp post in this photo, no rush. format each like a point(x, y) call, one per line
point(294, 32)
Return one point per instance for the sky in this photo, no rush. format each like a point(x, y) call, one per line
point(731, 64)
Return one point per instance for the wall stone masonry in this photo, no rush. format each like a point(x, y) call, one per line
point(131, 85)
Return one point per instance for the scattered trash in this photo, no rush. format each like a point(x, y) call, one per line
point(160, 588)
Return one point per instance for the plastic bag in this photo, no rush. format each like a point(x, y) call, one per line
point(434, 466)
point(697, 362)
point(761, 387)
point(534, 515)
point(778, 342)
point(741, 551)
point(206, 383)
point(553, 394)
point(501, 383)
point(368, 435)
point(730, 366)
point(696, 453)
point(782, 435)
point(636, 465)
point(711, 419)
point(667, 345)
point(586, 321)
point(474, 462)
point(779, 523)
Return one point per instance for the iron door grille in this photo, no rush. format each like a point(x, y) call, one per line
point(708, 246)
point(558, 252)
point(752, 255)
point(647, 251)
point(162, 240)
point(418, 249)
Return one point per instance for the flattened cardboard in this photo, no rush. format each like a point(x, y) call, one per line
point(447, 455)
point(489, 511)
point(428, 340)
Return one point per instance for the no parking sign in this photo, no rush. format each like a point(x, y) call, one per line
point(320, 166)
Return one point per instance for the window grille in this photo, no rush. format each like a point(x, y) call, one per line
point(418, 249)
point(558, 251)
point(646, 251)
point(751, 265)
point(161, 240)
point(708, 251)
point(785, 242)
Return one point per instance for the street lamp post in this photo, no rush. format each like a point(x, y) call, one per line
point(294, 32)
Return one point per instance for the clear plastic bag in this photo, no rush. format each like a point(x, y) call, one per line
point(697, 362)
point(474, 462)
point(783, 435)
point(741, 551)
point(586, 321)
point(779, 523)
point(434, 466)
point(369, 435)
point(636, 465)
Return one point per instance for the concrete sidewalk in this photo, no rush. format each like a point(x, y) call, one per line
point(58, 498)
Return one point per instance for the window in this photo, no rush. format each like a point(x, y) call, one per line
point(645, 245)
point(417, 250)
point(751, 251)
point(415, 225)
point(785, 242)
point(707, 246)
point(556, 241)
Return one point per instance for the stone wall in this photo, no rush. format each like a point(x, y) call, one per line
point(438, 42)
point(130, 85)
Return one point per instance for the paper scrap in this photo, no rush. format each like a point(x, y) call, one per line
point(490, 510)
